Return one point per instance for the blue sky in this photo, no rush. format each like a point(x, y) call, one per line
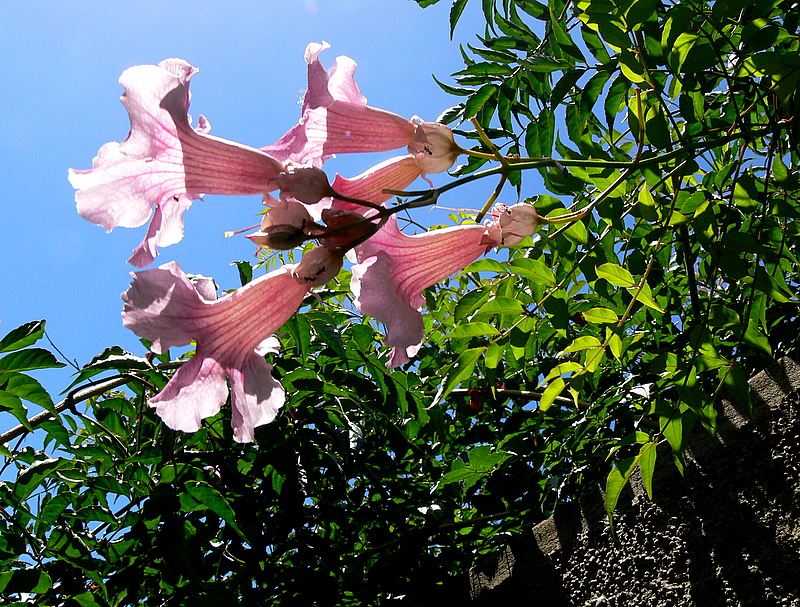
point(59, 102)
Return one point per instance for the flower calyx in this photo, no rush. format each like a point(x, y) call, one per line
point(434, 148)
point(346, 229)
point(515, 222)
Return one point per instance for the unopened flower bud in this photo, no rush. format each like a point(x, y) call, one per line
point(293, 214)
point(281, 237)
point(307, 184)
point(337, 219)
point(318, 266)
point(434, 148)
point(283, 228)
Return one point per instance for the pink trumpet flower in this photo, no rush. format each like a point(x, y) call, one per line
point(231, 333)
point(393, 269)
point(164, 164)
point(337, 120)
point(394, 174)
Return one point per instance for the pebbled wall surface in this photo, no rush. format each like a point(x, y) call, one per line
point(726, 534)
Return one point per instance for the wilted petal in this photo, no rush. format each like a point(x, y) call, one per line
point(164, 162)
point(394, 269)
point(163, 306)
point(318, 266)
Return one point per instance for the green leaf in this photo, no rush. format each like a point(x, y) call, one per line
point(245, 271)
point(645, 295)
point(583, 343)
point(494, 354)
point(534, 270)
point(471, 301)
point(486, 265)
point(753, 336)
point(23, 336)
point(460, 370)
point(25, 387)
point(212, 499)
point(616, 275)
point(745, 194)
point(29, 478)
point(541, 63)
point(478, 99)
point(500, 305)
point(24, 581)
point(553, 391)
point(473, 329)
point(647, 465)
point(600, 316)
point(29, 359)
point(614, 342)
point(118, 359)
point(455, 13)
point(615, 482)
point(13, 404)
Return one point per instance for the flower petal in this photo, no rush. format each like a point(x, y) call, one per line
point(196, 391)
point(165, 307)
point(336, 118)
point(164, 162)
point(394, 174)
point(393, 269)
point(256, 397)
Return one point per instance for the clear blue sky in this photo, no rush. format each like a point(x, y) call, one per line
point(59, 102)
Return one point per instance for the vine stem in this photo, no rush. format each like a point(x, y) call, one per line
point(82, 394)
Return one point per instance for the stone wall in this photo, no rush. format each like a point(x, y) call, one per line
point(728, 533)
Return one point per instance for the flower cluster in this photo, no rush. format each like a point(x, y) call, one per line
point(165, 164)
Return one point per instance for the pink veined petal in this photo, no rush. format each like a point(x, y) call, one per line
point(165, 307)
point(394, 174)
point(394, 269)
point(376, 295)
point(317, 93)
point(196, 391)
point(336, 118)
point(164, 162)
point(346, 128)
point(342, 83)
point(258, 397)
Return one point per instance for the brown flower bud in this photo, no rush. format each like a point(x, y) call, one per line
point(281, 237)
point(337, 219)
point(283, 228)
point(318, 266)
point(293, 214)
point(309, 185)
point(434, 148)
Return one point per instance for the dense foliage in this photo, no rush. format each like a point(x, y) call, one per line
point(553, 365)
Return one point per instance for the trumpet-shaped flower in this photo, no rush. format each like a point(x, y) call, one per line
point(394, 174)
point(337, 120)
point(164, 164)
point(393, 269)
point(231, 335)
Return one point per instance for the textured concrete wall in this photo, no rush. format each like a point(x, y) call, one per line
point(728, 533)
